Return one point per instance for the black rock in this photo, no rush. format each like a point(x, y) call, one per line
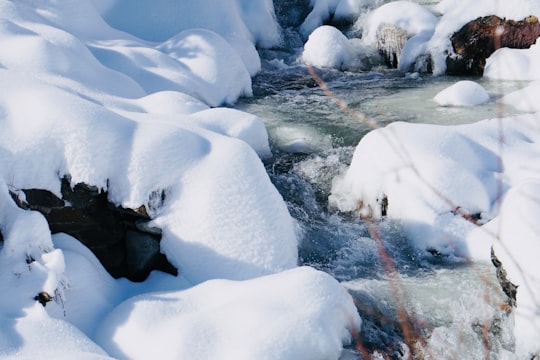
point(117, 236)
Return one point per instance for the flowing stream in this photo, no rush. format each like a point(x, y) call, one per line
point(412, 302)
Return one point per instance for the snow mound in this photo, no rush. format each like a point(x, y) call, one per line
point(327, 47)
point(298, 314)
point(409, 16)
point(432, 174)
point(415, 20)
point(524, 99)
point(462, 93)
point(459, 191)
point(211, 60)
point(243, 23)
point(85, 101)
point(514, 237)
point(514, 64)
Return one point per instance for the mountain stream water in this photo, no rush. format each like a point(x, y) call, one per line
point(413, 304)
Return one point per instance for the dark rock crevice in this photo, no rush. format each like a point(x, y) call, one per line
point(509, 288)
point(120, 238)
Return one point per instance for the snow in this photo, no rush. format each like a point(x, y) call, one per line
point(456, 13)
point(242, 23)
point(322, 10)
point(126, 98)
point(435, 176)
point(406, 15)
point(462, 93)
point(429, 28)
point(523, 99)
point(516, 245)
point(126, 95)
point(206, 326)
point(514, 64)
point(327, 47)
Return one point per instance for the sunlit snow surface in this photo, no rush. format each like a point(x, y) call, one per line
point(124, 95)
point(132, 116)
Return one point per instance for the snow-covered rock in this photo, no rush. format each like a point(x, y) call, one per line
point(480, 38)
point(523, 99)
point(327, 47)
point(128, 113)
point(455, 14)
point(407, 15)
point(391, 26)
point(458, 191)
point(513, 235)
point(236, 320)
point(462, 93)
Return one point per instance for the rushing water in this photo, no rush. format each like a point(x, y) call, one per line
point(452, 307)
point(412, 302)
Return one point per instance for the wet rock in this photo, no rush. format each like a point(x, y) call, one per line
point(43, 298)
point(507, 286)
point(390, 42)
point(479, 38)
point(120, 238)
point(142, 255)
point(291, 13)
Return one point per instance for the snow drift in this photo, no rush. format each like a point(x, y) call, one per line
point(128, 112)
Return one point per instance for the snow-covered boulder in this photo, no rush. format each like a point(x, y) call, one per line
point(327, 47)
point(459, 191)
point(462, 93)
point(240, 22)
point(297, 314)
point(514, 235)
point(131, 119)
point(391, 25)
point(220, 77)
point(478, 39)
point(456, 13)
point(514, 64)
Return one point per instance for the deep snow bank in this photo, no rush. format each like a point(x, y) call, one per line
point(243, 23)
point(247, 320)
point(130, 116)
point(445, 182)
